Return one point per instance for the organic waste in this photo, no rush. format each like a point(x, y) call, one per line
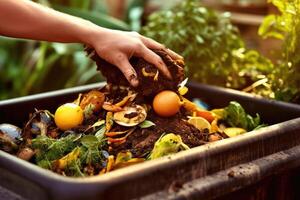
point(117, 126)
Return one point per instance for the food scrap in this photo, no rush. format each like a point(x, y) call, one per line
point(117, 126)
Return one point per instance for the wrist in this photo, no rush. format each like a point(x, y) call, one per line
point(91, 34)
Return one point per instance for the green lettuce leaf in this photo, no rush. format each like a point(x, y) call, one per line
point(236, 116)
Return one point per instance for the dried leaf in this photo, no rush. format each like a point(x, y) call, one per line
point(73, 155)
point(111, 108)
point(112, 134)
point(110, 163)
point(98, 123)
point(126, 99)
point(109, 121)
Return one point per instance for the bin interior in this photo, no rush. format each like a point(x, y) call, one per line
point(154, 175)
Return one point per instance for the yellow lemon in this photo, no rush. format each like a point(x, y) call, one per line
point(68, 116)
point(200, 123)
point(234, 131)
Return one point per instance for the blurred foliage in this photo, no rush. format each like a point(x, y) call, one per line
point(212, 47)
point(28, 67)
point(285, 26)
point(135, 13)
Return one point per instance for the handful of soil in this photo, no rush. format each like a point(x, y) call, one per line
point(151, 80)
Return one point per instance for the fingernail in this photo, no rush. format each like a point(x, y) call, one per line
point(134, 82)
point(165, 70)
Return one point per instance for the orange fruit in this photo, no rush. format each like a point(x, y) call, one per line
point(166, 103)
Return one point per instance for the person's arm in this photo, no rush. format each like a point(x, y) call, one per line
point(26, 19)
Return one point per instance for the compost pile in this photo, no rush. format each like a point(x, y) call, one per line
point(117, 125)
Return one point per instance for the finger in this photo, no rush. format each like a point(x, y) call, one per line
point(173, 54)
point(123, 64)
point(154, 59)
point(152, 44)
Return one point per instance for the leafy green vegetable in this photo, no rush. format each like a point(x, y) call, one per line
point(92, 155)
point(146, 124)
point(50, 149)
point(260, 126)
point(71, 152)
point(236, 116)
point(63, 162)
point(167, 144)
point(285, 77)
point(74, 168)
point(88, 111)
point(89, 141)
point(213, 50)
point(123, 157)
point(100, 134)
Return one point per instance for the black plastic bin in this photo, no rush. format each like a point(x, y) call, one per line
point(202, 172)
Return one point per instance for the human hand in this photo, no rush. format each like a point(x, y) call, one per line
point(117, 47)
point(37, 22)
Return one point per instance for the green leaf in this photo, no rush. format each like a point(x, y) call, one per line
point(49, 149)
point(100, 133)
point(260, 126)
point(280, 4)
point(88, 111)
point(167, 144)
point(89, 141)
point(269, 28)
point(123, 156)
point(92, 153)
point(146, 124)
point(237, 117)
point(199, 39)
point(98, 123)
point(95, 17)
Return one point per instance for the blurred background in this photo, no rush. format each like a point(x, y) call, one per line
point(223, 42)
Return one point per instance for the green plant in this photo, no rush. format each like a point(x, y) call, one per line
point(213, 50)
point(286, 27)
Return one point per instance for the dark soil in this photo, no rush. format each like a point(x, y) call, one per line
point(141, 141)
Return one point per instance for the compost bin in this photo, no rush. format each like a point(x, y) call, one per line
point(225, 169)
